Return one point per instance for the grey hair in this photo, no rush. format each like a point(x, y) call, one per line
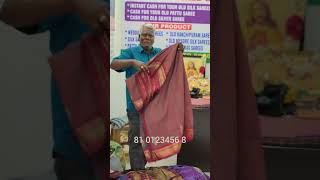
point(147, 26)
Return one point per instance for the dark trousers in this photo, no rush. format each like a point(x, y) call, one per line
point(137, 158)
point(66, 169)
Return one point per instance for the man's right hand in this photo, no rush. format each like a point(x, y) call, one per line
point(123, 64)
point(93, 13)
point(140, 66)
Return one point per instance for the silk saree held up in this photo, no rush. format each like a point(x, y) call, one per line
point(163, 101)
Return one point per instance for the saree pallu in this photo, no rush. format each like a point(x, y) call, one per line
point(81, 72)
point(163, 101)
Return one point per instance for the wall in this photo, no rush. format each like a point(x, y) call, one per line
point(117, 80)
point(117, 94)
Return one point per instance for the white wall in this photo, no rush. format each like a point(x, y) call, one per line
point(117, 94)
point(118, 103)
point(25, 130)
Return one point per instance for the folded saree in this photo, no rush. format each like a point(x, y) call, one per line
point(82, 76)
point(153, 173)
point(163, 101)
point(177, 172)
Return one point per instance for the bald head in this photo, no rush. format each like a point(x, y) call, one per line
point(148, 27)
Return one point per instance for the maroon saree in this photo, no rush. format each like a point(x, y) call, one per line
point(162, 98)
point(81, 71)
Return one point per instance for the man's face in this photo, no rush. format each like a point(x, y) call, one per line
point(146, 38)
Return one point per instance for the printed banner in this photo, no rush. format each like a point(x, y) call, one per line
point(187, 22)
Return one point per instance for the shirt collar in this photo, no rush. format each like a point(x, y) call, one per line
point(141, 50)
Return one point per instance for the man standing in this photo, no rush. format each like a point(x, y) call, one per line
point(132, 60)
point(67, 21)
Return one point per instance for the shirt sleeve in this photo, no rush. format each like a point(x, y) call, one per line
point(124, 55)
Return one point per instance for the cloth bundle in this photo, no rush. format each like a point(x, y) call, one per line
point(177, 172)
point(118, 122)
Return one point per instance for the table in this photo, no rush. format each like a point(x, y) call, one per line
point(200, 103)
point(290, 131)
point(197, 153)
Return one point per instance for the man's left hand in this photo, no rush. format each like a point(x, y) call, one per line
point(181, 47)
